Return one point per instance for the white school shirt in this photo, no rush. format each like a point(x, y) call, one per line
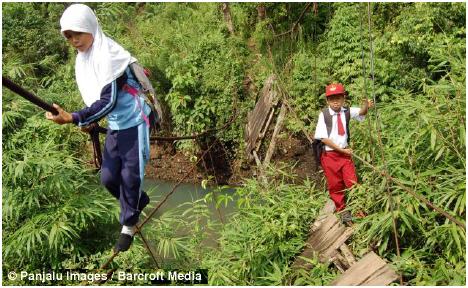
point(321, 129)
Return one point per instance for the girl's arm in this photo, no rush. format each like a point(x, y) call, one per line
point(98, 109)
point(93, 113)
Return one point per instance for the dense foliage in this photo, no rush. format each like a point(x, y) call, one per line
point(54, 212)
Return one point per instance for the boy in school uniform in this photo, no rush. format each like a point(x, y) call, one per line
point(336, 160)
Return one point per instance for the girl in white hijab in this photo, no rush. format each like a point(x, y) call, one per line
point(109, 88)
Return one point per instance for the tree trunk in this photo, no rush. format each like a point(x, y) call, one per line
point(261, 12)
point(227, 17)
point(140, 6)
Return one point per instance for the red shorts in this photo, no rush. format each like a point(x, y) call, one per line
point(340, 173)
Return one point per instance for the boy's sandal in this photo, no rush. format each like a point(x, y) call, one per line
point(346, 217)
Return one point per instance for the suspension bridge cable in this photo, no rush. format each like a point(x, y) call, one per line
point(379, 137)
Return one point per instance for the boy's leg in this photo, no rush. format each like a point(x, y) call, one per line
point(111, 165)
point(332, 168)
point(349, 179)
point(349, 173)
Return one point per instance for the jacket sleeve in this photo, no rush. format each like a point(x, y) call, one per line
point(98, 109)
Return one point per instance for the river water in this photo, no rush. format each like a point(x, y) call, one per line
point(184, 193)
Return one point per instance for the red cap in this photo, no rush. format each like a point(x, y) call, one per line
point(334, 89)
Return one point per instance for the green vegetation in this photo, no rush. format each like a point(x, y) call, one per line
point(54, 210)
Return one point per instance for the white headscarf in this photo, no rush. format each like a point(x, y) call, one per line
point(103, 62)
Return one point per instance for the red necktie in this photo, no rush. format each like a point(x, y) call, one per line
point(341, 131)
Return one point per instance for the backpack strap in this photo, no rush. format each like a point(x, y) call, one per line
point(328, 120)
point(134, 92)
point(148, 94)
point(347, 117)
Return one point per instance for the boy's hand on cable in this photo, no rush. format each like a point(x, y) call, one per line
point(370, 103)
point(62, 117)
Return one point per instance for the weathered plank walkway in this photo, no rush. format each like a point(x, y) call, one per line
point(258, 120)
point(371, 270)
point(327, 239)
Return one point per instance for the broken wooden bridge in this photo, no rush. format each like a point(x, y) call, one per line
point(327, 239)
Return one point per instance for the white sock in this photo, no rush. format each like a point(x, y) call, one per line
point(129, 230)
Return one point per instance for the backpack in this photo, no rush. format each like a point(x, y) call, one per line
point(317, 145)
point(148, 94)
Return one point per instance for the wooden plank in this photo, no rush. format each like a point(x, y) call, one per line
point(338, 264)
point(263, 130)
point(308, 253)
point(326, 236)
point(265, 127)
point(360, 272)
point(329, 231)
point(363, 272)
point(384, 276)
point(278, 126)
point(324, 226)
point(327, 209)
point(348, 255)
point(326, 240)
point(336, 242)
point(317, 223)
point(260, 114)
point(257, 161)
point(260, 168)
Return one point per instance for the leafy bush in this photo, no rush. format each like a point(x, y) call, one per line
point(32, 39)
point(257, 245)
point(50, 196)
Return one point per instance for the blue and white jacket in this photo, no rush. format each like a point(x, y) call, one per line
point(119, 102)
